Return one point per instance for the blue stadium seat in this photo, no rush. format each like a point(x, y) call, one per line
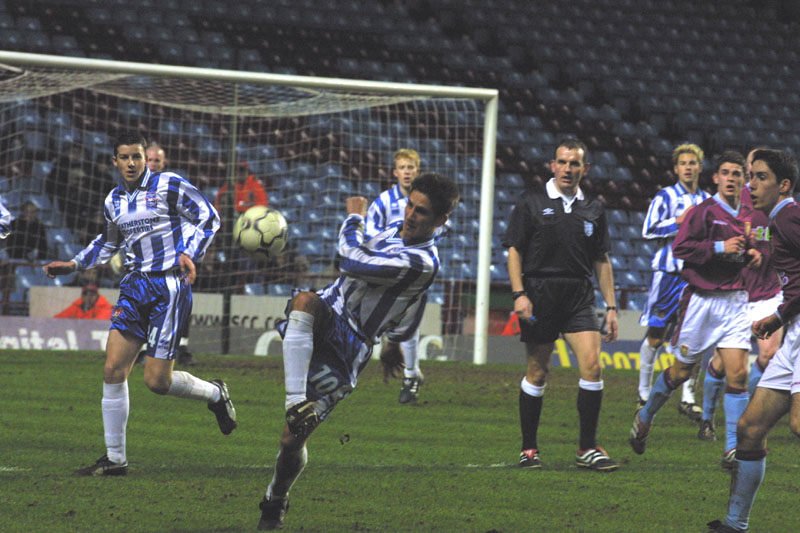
point(619, 263)
point(622, 247)
point(30, 276)
point(640, 263)
point(254, 289)
point(617, 216)
point(56, 236)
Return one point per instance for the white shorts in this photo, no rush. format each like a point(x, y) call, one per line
point(764, 308)
point(712, 318)
point(783, 370)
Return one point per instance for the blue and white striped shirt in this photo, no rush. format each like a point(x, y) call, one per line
point(668, 204)
point(389, 208)
point(5, 221)
point(382, 281)
point(162, 218)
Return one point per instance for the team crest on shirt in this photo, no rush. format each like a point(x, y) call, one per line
point(548, 211)
point(588, 229)
point(151, 199)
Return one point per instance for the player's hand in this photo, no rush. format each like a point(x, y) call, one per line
point(612, 326)
point(357, 205)
point(735, 245)
point(523, 308)
point(59, 268)
point(188, 272)
point(755, 258)
point(679, 219)
point(766, 326)
point(392, 361)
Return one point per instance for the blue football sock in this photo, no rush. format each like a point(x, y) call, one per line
point(735, 403)
point(755, 377)
point(712, 389)
point(747, 478)
point(661, 392)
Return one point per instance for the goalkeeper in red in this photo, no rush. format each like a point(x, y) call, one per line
point(329, 335)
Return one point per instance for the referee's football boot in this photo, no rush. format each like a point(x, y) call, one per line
point(223, 409)
point(530, 459)
point(722, 527)
point(272, 514)
point(409, 393)
point(691, 410)
point(302, 419)
point(639, 431)
point(595, 459)
point(104, 467)
point(707, 431)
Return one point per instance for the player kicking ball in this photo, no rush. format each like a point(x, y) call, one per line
point(329, 335)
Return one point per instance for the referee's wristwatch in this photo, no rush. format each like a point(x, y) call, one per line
point(517, 294)
point(611, 308)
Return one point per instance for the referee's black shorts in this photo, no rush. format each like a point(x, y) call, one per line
point(560, 305)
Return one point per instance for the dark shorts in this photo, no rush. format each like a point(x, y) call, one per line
point(560, 305)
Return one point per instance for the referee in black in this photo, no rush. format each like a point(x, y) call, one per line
point(555, 241)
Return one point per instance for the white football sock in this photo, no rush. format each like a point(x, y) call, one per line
point(185, 385)
point(687, 393)
point(647, 359)
point(115, 407)
point(298, 347)
point(411, 357)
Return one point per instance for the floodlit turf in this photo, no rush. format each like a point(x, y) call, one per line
point(446, 464)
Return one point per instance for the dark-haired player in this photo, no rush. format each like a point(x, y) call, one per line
point(329, 335)
point(164, 224)
point(715, 244)
point(555, 241)
point(772, 179)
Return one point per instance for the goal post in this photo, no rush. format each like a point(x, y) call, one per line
point(312, 140)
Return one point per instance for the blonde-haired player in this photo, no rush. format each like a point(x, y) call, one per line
point(664, 216)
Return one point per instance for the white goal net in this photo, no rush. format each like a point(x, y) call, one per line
point(310, 146)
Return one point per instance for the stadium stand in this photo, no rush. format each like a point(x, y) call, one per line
point(638, 78)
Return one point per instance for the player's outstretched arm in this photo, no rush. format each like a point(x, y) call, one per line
point(59, 268)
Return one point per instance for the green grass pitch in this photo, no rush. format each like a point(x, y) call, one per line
point(445, 464)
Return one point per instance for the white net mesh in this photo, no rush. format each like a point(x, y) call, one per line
point(309, 148)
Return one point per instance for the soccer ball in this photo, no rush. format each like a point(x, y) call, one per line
point(261, 232)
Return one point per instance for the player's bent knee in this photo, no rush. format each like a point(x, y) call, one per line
point(794, 425)
point(157, 385)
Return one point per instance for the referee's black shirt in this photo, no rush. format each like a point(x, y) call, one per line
point(552, 243)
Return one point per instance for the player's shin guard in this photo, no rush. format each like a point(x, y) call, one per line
point(298, 346)
point(185, 385)
point(745, 480)
point(755, 376)
point(647, 359)
point(662, 391)
point(712, 389)
point(288, 467)
point(735, 403)
point(530, 409)
point(116, 406)
point(410, 356)
point(590, 398)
